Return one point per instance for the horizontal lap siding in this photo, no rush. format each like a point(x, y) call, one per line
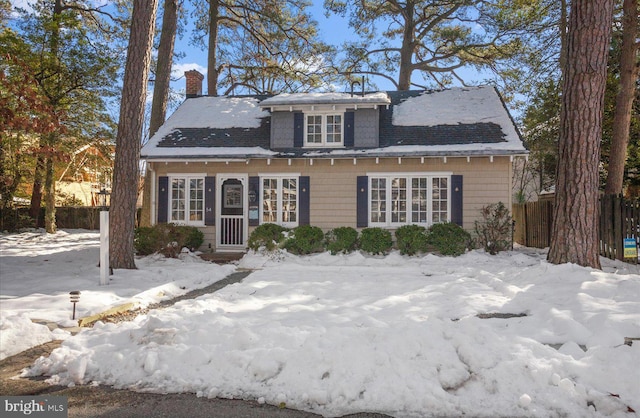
point(333, 187)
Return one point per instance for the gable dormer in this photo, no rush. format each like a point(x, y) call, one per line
point(325, 120)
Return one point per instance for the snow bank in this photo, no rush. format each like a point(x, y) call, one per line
point(397, 335)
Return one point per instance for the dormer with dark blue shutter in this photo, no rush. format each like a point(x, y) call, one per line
point(325, 121)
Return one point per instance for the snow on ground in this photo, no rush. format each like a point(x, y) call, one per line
point(399, 335)
point(38, 270)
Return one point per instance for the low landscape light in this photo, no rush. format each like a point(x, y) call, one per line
point(75, 298)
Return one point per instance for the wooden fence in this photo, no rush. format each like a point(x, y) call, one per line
point(619, 219)
point(70, 217)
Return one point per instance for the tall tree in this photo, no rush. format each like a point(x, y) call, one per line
point(160, 90)
point(74, 68)
point(574, 237)
point(126, 173)
point(247, 39)
point(629, 70)
point(433, 37)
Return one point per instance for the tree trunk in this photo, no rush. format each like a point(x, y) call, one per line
point(163, 69)
point(574, 237)
point(125, 173)
point(160, 92)
point(406, 50)
point(50, 196)
point(212, 64)
point(36, 193)
point(624, 99)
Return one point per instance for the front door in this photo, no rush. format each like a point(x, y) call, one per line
point(231, 230)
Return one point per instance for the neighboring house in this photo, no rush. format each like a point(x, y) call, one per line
point(228, 164)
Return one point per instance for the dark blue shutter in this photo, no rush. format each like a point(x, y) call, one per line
point(456, 200)
point(210, 200)
point(254, 190)
point(163, 199)
point(349, 119)
point(362, 202)
point(298, 130)
point(304, 201)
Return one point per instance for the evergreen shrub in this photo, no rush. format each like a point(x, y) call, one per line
point(305, 239)
point(375, 240)
point(341, 240)
point(168, 239)
point(411, 239)
point(448, 239)
point(268, 236)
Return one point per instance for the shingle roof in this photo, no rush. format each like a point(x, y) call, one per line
point(459, 121)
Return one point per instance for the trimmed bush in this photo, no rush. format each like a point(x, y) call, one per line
point(493, 232)
point(448, 239)
point(305, 239)
point(375, 240)
point(411, 239)
point(341, 240)
point(267, 235)
point(168, 239)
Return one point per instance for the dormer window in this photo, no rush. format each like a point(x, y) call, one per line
point(323, 129)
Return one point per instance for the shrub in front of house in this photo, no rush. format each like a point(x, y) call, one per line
point(411, 239)
point(168, 239)
point(342, 240)
point(375, 240)
point(493, 230)
point(305, 239)
point(448, 239)
point(268, 235)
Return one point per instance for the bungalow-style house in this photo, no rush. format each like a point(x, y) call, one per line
point(386, 159)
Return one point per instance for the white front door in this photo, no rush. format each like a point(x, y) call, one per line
point(231, 213)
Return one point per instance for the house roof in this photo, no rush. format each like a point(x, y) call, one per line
point(460, 121)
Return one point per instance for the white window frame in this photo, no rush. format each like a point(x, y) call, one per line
point(187, 209)
point(388, 177)
point(323, 129)
point(279, 197)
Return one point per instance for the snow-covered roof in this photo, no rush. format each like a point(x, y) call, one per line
point(207, 113)
point(287, 99)
point(459, 121)
point(468, 105)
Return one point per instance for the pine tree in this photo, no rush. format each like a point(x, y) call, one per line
point(125, 173)
point(574, 237)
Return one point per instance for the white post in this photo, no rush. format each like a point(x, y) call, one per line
point(104, 247)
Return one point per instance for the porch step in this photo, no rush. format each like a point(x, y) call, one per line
point(222, 258)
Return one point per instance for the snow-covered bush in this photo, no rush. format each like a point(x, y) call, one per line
point(269, 236)
point(168, 239)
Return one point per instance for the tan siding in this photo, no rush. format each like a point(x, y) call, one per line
point(333, 187)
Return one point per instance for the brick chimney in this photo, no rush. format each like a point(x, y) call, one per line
point(194, 83)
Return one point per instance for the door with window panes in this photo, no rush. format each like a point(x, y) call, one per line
point(231, 230)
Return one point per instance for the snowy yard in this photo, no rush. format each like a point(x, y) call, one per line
point(340, 334)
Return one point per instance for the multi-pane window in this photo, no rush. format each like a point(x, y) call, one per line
point(187, 200)
point(280, 200)
point(323, 129)
point(411, 199)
